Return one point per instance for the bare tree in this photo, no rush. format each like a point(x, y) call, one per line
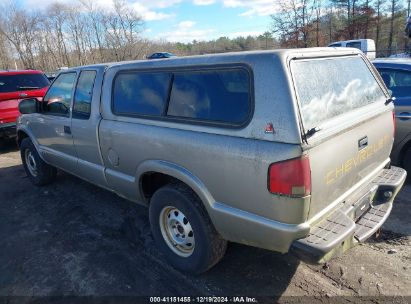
point(5, 61)
point(19, 28)
point(378, 9)
point(317, 6)
point(294, 20)
point(57, 15)
point(95, 14)
point(122, 28)
point(394, 7)
point(330, 17)
point(76, 24)
point(83, 32)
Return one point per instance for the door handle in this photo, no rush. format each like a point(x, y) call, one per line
point(67, 130)
point(403, 116)
point(362, 143)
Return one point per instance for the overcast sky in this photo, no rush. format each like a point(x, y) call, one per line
point(186, 20)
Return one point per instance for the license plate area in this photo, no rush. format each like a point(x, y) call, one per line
point(364, 203)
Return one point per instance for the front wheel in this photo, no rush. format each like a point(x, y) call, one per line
point(39, 172)
point(183, 230)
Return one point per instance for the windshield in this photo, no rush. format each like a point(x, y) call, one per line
point(20, 82)
point(327, 88)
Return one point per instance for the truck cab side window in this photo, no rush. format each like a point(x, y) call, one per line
point(356, 44)
point(83, 95)
point(140, 93)
point(58, 98)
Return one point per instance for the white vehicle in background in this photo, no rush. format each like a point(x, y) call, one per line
point(367, 46)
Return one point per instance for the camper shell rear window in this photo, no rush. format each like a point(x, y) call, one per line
point(330, 87)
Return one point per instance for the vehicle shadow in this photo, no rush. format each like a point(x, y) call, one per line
point(252, 272)
point(72, 238)
point(8, 145)
point(399, 219)
point(389, 237)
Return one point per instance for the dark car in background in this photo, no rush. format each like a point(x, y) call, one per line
point(161, 55)
point(14, 86)
point(396, 74)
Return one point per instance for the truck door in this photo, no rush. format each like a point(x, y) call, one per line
point(84, 125)
point(52, 127)
point(399, 82)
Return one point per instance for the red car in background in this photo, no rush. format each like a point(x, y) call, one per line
point(14, 86)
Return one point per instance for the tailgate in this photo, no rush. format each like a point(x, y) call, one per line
point(346, 159)
point(347, 124)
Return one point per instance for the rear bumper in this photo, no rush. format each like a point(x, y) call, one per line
point(8, 130)
point(354, 221)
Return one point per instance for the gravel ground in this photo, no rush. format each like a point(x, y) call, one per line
point(74, 239)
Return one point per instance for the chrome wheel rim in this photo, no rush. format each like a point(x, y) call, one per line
point(30, 162)
point(177, 231)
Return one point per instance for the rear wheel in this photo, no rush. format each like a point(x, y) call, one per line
point(183, 230)
point(39, 172)
point(407, 162)
point(177, 231)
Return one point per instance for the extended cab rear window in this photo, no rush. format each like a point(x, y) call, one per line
point(327, 88)
point(22, 82)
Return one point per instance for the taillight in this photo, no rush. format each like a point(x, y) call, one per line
point(291, 177)
point(394, 121)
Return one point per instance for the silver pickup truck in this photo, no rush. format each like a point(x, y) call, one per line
point(286, 150)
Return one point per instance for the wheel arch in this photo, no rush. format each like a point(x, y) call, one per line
point(22, 133)
point(164, 172)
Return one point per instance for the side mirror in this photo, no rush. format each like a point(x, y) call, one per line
point(56, 105)
point(29, 106)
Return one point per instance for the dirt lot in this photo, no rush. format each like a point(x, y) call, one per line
point(72, 238)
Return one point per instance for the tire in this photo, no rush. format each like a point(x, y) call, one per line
point(406, 162)
point(177, 205)
point(36, 169)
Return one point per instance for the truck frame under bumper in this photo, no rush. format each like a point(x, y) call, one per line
point(354, 222)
